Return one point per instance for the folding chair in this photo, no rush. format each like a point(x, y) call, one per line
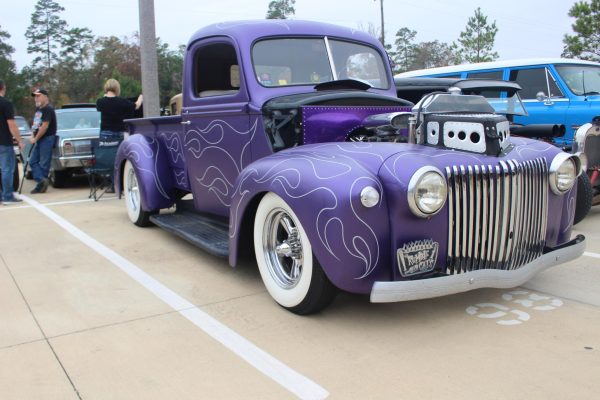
point(100, 172)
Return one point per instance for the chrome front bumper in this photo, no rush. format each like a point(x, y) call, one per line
point(387, 292)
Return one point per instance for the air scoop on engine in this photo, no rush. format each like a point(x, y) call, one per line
point(461, 122)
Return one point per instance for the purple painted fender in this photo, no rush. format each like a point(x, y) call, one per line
point(323, 185)
point(356, 245)
point(151, 165)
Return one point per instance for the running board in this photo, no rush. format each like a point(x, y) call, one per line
point(206, 233)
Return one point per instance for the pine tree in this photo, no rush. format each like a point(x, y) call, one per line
point(404, 55)
point(46, 33)
point(76, 47)
point(476, 42)
point(585, 44)
point(7, 65)
point(281, 9)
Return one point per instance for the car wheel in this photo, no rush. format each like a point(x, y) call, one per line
point(584, 197)
point(289, 270)
point(133, 198)
point(59, 178)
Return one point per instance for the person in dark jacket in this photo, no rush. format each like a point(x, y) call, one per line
point(8, 132)
point(113, 110)
point(43, 138)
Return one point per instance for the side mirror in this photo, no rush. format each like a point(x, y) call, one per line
point(541, 96)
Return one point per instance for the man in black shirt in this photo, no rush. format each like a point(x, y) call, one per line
point(44, 134)
point(8, 131)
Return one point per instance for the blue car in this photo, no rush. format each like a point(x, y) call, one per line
point(554, 91)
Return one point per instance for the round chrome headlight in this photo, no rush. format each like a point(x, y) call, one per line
point(369, 197)
point(563, 172)
point(427, 191)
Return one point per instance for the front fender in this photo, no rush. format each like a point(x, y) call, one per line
point(350, 241)
point(151, 165)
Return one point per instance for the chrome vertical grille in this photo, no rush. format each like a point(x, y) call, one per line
point(497, 215)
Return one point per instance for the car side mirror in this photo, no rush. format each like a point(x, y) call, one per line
point(541, 96)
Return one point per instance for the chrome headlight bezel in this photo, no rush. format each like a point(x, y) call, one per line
point(416, 182)
point(557, 170)
point(369, 197)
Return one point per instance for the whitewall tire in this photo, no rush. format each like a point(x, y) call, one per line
point(289, 270)
point(133, 197)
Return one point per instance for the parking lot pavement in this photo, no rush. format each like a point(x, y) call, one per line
point(80, 322)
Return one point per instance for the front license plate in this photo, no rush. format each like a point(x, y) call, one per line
point(417, 257)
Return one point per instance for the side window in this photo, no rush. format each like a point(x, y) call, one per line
point(485, 75)
point(533, 81)
point(457, 76)
point(216, 70)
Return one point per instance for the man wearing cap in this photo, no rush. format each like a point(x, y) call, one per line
point(44, 134)
point(8, 131)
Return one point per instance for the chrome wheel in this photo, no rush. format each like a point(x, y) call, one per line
point(289, 270)
point(133, 197)
point(133, 191)
point(282, 246)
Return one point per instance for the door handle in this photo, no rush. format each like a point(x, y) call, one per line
point(186, 122)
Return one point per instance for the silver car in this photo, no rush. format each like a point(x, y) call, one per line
point(76, 126)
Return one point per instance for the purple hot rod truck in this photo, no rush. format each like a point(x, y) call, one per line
point(293, 147)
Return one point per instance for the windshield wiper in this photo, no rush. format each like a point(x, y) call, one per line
point(590, 93)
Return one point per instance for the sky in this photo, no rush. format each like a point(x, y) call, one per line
point(526, 28)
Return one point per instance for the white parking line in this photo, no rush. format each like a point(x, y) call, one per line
point(590, 254)
point(56, 203)
point(291, 380)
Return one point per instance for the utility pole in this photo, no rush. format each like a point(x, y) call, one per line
point(382, 26)
point(149, 59)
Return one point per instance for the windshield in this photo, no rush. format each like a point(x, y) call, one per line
point(506, 105)
point(581, 79)
point(84, 119)
point(307, 61)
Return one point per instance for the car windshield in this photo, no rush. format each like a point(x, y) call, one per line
point(80, 119)
point(504, 104)
point(582, 80)
point(310, 61)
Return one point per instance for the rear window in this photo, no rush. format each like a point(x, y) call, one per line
point(84, 119)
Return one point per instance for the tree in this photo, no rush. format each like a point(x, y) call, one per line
point(585, 44)
point(477, 40)
point(77, 47)
point(434, 54)
point(7, 65)
point(45, 33)
point(404, 56)
point(17, 93)
point(114, 57)
point(170, 70)
point(281, 9)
